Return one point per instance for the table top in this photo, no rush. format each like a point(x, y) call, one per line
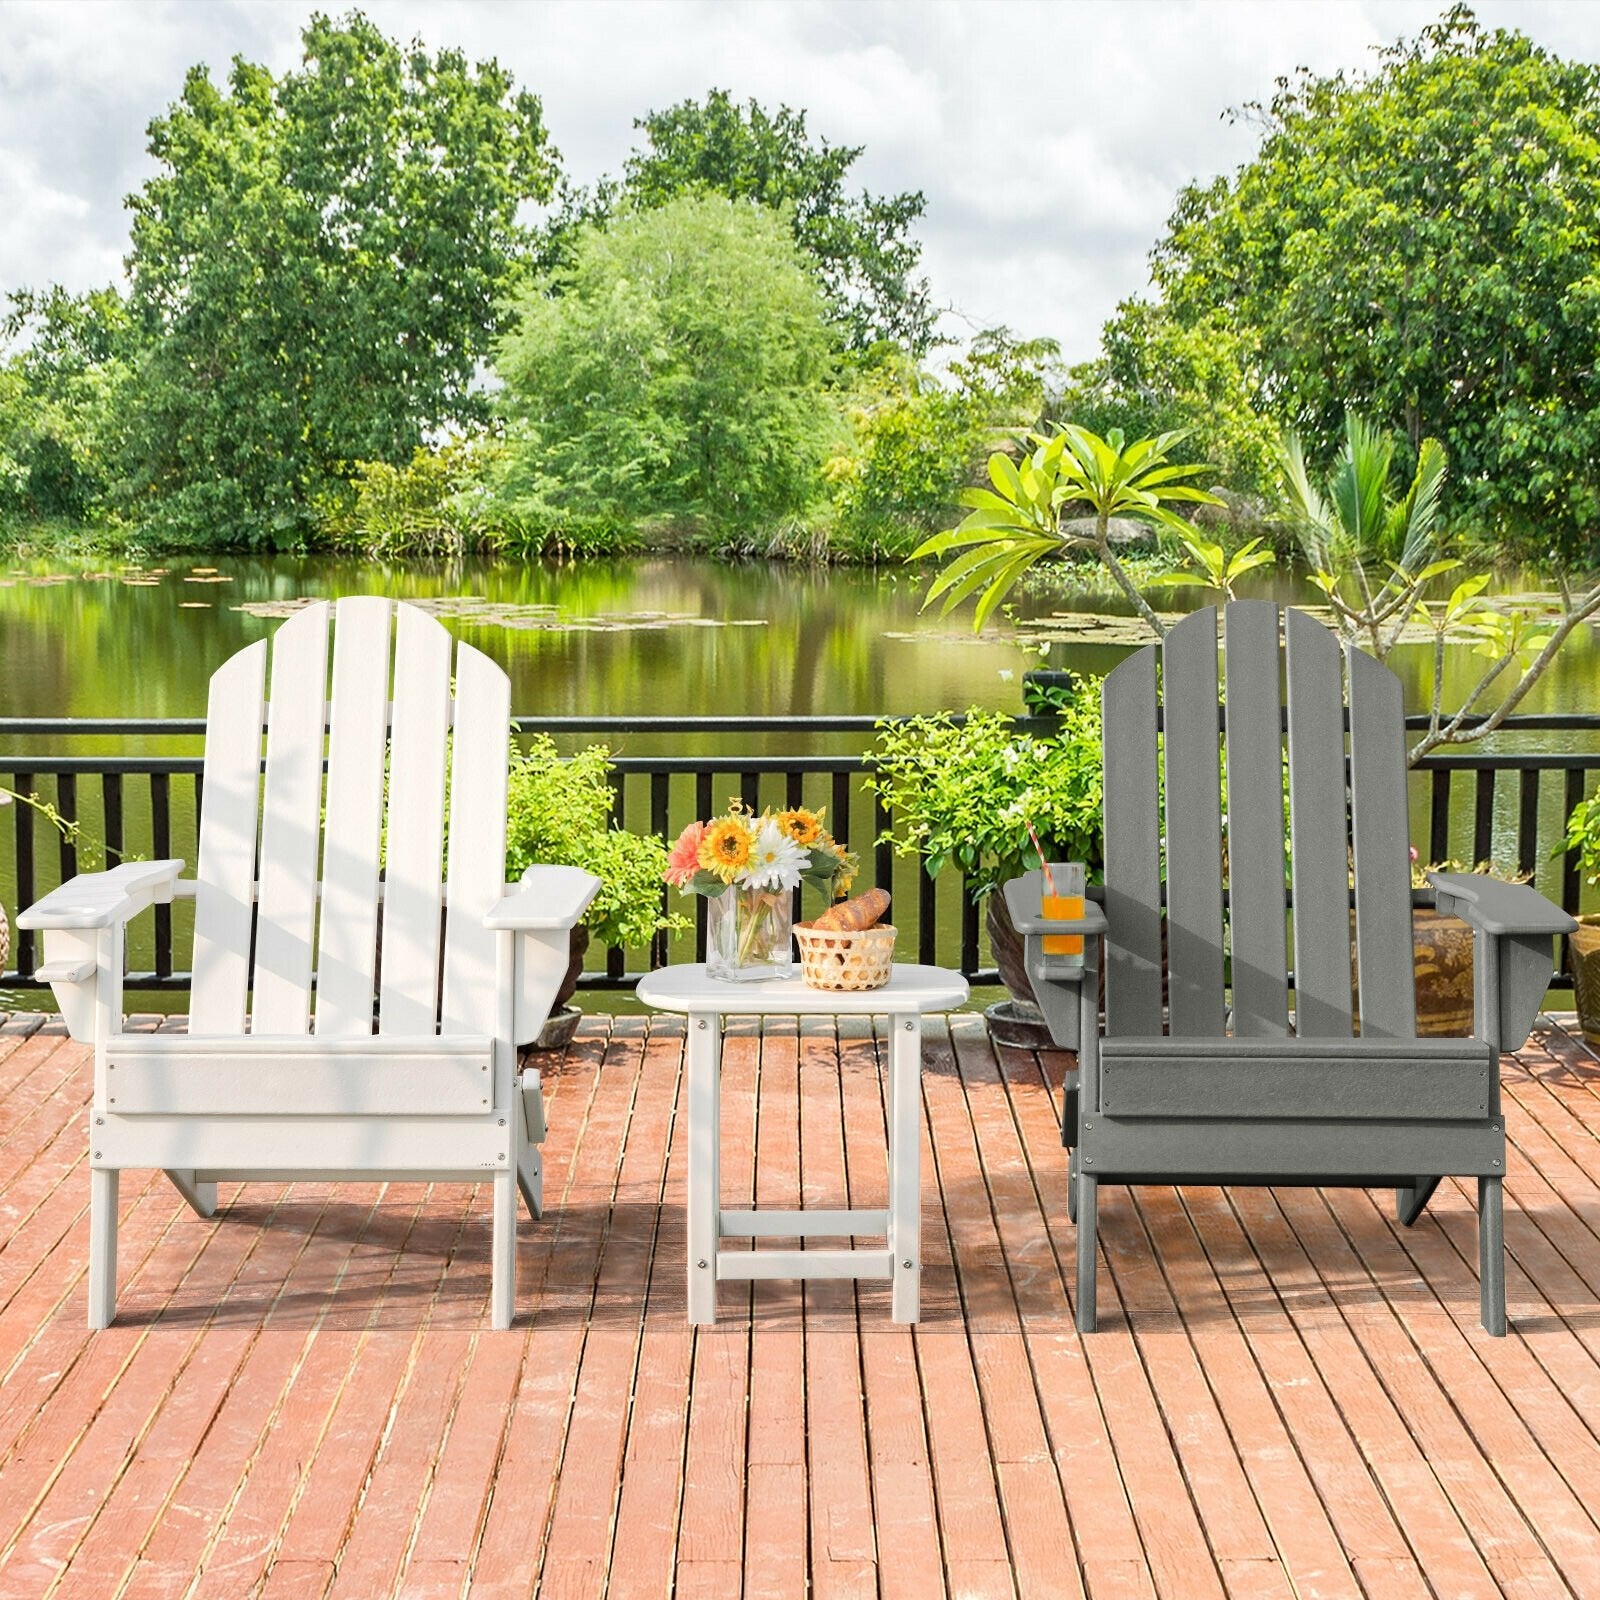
point(910, 989)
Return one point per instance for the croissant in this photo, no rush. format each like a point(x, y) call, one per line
point(851, 916)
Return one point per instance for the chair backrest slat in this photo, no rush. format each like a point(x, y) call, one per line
point(1256, 905)
point(1380, 835)
point(1194, 830)
point(1133, 849)
point(1318, 830)
point(226, 869)
point(477, 846)
point(291, 825)
point(414, 860)
point(357, 735)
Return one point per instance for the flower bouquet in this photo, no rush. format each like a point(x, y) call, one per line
point(748, 867)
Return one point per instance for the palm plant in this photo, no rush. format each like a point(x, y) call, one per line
point(1374, 555)
point(1370, 553)
point(1028, 514)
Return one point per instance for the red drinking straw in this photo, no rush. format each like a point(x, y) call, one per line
point(1049, 876)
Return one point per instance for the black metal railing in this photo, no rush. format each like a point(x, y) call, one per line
point(1472, 806)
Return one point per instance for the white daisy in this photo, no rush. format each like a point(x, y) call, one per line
point(776, 861)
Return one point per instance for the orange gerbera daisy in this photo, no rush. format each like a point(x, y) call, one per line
point(725, 849)
point(804, 827)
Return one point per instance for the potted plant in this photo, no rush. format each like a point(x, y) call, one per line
point(1583, 943)
point(558, 813)
point(963, 791)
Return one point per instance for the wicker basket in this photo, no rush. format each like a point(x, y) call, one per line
point(833, 959)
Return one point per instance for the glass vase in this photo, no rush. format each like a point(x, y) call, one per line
point(748, 935)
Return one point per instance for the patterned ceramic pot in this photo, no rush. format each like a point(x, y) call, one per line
point(1583, 961)
point(1442, 948)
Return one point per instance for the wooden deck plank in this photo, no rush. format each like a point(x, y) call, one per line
point(1290, 1394)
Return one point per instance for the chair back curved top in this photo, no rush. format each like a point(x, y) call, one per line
point(344, 828)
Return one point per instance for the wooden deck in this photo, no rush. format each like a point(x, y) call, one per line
point(1290, 1395)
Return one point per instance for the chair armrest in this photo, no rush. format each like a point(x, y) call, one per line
point(103, 899)
point(1498, 907)
point(547, 897)
point(1025, 900)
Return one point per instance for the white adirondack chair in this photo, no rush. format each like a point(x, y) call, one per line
point(309, 1055)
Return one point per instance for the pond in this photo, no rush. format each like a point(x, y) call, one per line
point(649, 637)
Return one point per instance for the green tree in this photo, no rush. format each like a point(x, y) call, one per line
point(62, 407)
point(916, 443)
point(860, 246)
point(1423, 243)
point(318, 267)
point(677, 370)
point(1156, 374)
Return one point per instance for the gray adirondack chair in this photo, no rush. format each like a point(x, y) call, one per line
point(1298, 1081)
point(305, 1059)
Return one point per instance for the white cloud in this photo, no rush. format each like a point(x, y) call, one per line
point(1049, 139)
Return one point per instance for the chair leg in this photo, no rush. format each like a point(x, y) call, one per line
point(102, 1246)
point(503, 1251)
point(1410, 1201)
point(530, 1134)
point(1072, 1184)
point(530, 1180)
point(1087, 1243)
point(201, 1197)
point(1491, 1257)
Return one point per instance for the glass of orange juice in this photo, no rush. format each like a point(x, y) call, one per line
point(1065, 905)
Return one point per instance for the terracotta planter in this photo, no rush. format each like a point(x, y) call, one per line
point(1583, 961)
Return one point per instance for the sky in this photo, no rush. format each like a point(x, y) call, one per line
point(1049, 139)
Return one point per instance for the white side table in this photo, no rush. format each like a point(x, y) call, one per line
point(909, 993)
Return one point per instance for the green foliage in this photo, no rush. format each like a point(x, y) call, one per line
point(1370, 551)
point(1583, 835)
point(1023, 518)
point(678, 373)
point(1213, 566)
point(1158, 375)
point(62, 402)
point(1423, 244)
point(435, 505)
point(963, 793)
point(859, 247)
point(559, 814)
point(317, 270)
point(917, 443)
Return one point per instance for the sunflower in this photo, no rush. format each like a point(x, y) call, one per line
point(725, 849)
point(804, 827)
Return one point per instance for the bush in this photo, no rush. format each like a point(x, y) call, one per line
point(559, 814)
point(963, 793)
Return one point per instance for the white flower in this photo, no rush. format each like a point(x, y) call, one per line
point(776, 861)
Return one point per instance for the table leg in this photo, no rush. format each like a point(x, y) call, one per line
point(905, 1165)
point(705, 1141)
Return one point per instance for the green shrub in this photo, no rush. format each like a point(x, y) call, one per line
point(963, 793)
point(559, 814)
